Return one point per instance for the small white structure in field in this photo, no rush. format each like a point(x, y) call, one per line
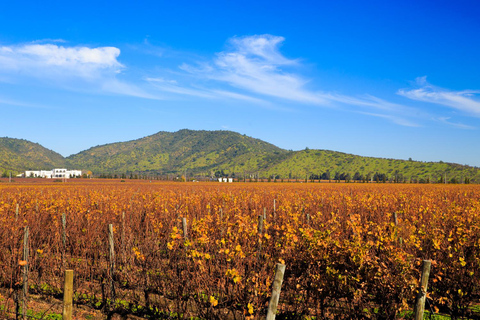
point(230, 180)
point(220, 179)
point(54, 173)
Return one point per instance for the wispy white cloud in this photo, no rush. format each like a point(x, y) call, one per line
point(16, 103)
point(172, 86)
point(465, 100)
point(238, 96)
point(50, 41)
point(393, 118)
point(256, 65)
point(161, 80)
point(43, 60)
point(376, 107)
point(103, 57)
point(127, 89)
point(445, 120)
point(78, 68)
point(265, 47)
point(367, 101)
point(254, 69)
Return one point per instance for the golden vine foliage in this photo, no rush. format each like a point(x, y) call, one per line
point(345, 256)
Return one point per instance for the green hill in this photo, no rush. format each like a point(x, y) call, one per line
point(206, 152)
point(17, 155)
point(224, 153)
point(318, 162)
point(195, 151)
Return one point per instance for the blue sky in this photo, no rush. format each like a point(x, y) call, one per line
point(390, 79)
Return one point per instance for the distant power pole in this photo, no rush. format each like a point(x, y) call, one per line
point(10, 177)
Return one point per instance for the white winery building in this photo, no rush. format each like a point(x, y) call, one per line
point(54, 173)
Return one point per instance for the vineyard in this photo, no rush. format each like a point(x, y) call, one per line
point(209, 250)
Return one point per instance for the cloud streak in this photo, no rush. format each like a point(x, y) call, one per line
point(465, 101)
point(255, 64)
point(445, 120)
point(380, 108)
point(171, 86)
point(15, 103)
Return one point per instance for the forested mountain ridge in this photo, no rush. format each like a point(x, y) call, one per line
point(225, 153)
point(166, 152)
point(327, 164)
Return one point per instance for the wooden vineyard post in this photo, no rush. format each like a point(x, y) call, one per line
point(25, 273)
point(422, 294)
point(277, 286)
point(16, 213)
point(184, 225)
point(123, 238)
point(64, 227)
point(68, 295)
point(64, 237)
point(260, 224)
point(111, 252)
point(264, 213)
point(274, 208)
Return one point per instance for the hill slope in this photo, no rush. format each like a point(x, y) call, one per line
point(205, 152)
point(307, 162)
point(195, 151)
point(17, 155)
